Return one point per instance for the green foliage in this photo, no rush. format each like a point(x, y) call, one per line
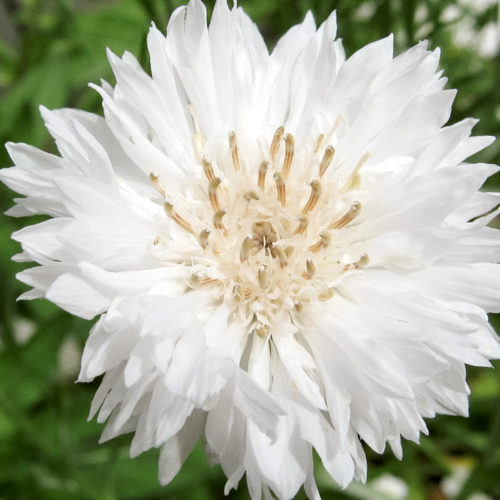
point(49, 50)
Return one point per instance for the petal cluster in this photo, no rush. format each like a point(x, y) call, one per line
point(285, 250)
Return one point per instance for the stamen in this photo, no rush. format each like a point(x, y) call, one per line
point(169, 209)
point(275, 145)
point(278, 253)
point(326, 295)
point(313, 198)
point(348, 217)
point(289, 250)
point(203, 238)
point(354, 178)
point(303, 222)
point(242, 292)
point(217, 219)
point(199, 144)
point(261, 330)
point(359, 264)
point(212, 193)
point(208, 168)
point(262, 174)
point(197, 279)
point(157, 241)
point(323, 242)
point(234, 150)
point(251, 195)
point(326, 160)
point(310, 269)
point(289, 150)
point(246, 247)
point(280, 186)
point(319, 141)
point(297, 306)
point(155, 179)
point(262, 277)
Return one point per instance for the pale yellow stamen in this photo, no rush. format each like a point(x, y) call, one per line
point(353, 181)
point(278, 253)
point(326, 160)
point(197, 279)
point(264, 166)
point(319, 141)
point(234, 150)
point(310, 269)
point(208, 169)
point(348, 217)
point(289, 151)
point(251, 195)
point(217, 219)
point(203, 238)
point(169, 209)
point(261, 330)
point(326, 295)
point(246, 247)
point(323, 242)
point(313, 198)
point(280, 186)
point(155, 179)
point(212, 193)
point(262, 277)
point(275, 145)
point(359, 264)
point(303, 223)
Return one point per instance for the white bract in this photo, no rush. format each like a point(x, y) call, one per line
point(286, 250)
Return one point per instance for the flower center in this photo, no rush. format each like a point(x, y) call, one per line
point(265, 236)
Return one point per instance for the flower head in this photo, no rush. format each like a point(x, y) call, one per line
point(286, 250)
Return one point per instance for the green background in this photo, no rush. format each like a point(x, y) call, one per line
point(49, 50)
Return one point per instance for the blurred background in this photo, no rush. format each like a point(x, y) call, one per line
point(49, 50)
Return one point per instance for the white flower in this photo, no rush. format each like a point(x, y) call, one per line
point(286, 251)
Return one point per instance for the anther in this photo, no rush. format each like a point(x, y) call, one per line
point(217, 219)
point(197, 279)
point(208, 168)
point(323, 242)
point(313, 198)
point(326, 295)
point(275, 145)
point(262, 277)
point(251, 195)
point(359, 264)
point(326, 160)
point(310, 269)
point(303, 223)
point(319, 141)
point(203, 238)
point(289, 150)
point(362, 261)
point(169, 209)
point(264, 166)
point(155, 179)
point(353, 180)
point(157, 241)
point(297, 306)
point(348, 217)
point(280, 186)
point(212, 193)
point(261, 330)
point(289, 250)
point(241, 292)
point(234, 150)
point(245, 249)
point(278, 253)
